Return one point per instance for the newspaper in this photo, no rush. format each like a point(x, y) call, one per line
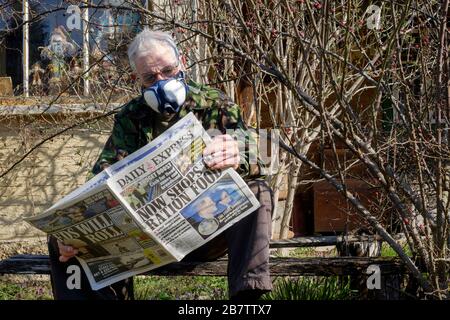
point(149, 209)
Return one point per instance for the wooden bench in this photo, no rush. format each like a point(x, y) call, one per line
point(280, 266)
point(39, 264)
point(390, 267)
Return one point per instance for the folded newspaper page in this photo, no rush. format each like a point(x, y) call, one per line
point(149, 209)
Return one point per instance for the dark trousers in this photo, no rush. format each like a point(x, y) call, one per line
point(246, 242)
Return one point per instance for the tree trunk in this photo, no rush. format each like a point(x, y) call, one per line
point(287, 214)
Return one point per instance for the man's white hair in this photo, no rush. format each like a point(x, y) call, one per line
point(146, 41)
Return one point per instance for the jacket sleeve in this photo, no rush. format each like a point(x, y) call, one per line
point(251, 165)
point(115, 148)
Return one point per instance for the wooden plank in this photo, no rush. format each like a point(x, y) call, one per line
point(332, 211)
point(25, 264)
point(39, 264)
point(291, 267)
point(322, 241)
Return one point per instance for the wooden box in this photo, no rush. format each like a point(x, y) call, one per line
point(332, 211)
point(347, 161)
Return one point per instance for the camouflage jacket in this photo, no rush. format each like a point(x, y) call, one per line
point(136, 124)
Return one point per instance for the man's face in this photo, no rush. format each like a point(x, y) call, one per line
point(161, 64)
point(225, 198)
point(206, 208)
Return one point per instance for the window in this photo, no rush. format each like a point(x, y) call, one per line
point(59, 57)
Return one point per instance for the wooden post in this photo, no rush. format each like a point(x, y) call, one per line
point(25, 47)
point(85, 15)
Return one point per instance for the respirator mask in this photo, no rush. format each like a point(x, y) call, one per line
point(166, 95)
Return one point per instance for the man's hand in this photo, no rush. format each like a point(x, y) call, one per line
point(222, 153)
point(66, 252)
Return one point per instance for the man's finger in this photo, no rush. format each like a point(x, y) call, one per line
point(223, 160)
point(66, 252)
point(65, 258)
point(71, 252)
point(220, 143)
point(229, 163)
point(66, 249)
point(220, 156)
point(223, 137)
point(230, 146)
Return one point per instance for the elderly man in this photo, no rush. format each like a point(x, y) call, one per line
point(166, 97)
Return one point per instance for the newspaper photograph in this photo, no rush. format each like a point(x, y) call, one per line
point(149, 209)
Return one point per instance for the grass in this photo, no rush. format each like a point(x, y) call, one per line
point(311, 288)
point(146, 288)
point(176, 288)
point(312, 252)
point(11, 289)
point(196, 288)
point(387, 251)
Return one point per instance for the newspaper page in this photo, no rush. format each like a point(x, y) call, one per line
point(111, 245)
point(149, 209)
point(177, 199)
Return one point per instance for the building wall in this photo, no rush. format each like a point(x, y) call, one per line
point(47, 174)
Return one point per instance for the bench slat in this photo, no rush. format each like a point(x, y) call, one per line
point(39, 264)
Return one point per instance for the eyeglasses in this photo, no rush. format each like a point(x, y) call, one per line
point(166, 72)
